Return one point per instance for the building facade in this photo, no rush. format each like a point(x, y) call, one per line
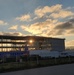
point(16, 43)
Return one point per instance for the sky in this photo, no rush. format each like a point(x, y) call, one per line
point(50, 18)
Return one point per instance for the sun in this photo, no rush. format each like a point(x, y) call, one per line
point(31, 41)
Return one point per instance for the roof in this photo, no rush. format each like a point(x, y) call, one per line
point(25, 37)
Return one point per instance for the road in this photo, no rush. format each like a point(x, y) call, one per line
point(67, 69)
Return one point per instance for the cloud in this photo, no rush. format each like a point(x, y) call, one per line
point(3, 23)
point(72, 20)
point(40, 28)
point(54, 12)
point(14, 27)
point(62, 14)
point(69, 8)
point(48, 21)
point(63, 28)
point(25, 17)
point(70, 43)
point(32, 28)
point(46, 12)
point(50, 28)
point(42, 11)
point(66, 25)
point(11, 33)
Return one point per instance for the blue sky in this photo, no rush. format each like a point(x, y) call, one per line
point(52, 18)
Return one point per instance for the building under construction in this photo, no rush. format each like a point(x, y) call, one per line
point(16, 43)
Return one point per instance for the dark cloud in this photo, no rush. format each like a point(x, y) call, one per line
point(65, 28)
point(72, 20)
point(11, 33)
point(66, 25)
